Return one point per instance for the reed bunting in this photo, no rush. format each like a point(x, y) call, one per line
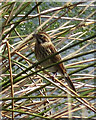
point(44, 48)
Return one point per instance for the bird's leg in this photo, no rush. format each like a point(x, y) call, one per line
point(54, 75)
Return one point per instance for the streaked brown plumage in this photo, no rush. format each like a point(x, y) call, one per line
point(44, 48)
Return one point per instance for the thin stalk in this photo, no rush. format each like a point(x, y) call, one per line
point(38, 10)
point(21, 111)
point(48, 96)
point(11, 78)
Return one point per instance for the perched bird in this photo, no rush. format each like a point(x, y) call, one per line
point(45, 48)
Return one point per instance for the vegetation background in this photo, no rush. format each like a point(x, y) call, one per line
point(29, 91)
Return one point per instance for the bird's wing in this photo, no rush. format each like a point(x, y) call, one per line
point(56, 58)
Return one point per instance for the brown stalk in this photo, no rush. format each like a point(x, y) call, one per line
point(11, 78)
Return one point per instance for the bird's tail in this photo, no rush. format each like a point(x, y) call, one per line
point(66, 76)
point(69, 81)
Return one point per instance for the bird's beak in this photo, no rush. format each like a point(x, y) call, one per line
point(34, 35)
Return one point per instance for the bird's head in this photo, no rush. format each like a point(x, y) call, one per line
point(41, 37)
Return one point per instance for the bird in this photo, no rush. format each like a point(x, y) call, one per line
point(44, 48)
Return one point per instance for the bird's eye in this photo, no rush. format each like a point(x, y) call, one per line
point(41, 36)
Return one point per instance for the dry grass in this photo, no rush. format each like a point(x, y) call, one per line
point(29, 91)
